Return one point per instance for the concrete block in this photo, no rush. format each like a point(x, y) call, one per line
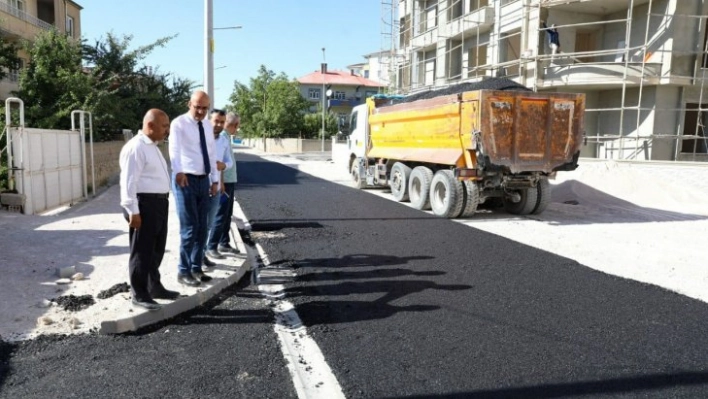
point(66, 272)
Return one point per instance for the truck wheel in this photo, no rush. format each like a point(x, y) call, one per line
point(471, 193)
point(398, 182)
point(419, 187)
point(525, 206)
point(359, 181)
point(446, 194)
point(544, 196)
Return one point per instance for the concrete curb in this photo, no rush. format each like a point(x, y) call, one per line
point(145, 318)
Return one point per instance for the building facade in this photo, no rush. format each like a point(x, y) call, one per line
point(24, 19)
point(641, 63)
point(348, 89)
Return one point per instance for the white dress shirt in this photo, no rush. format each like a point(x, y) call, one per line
point(223, 151)
point(185, 149)
point(143, 169)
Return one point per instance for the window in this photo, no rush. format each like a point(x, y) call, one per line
point(339, 95)
point(476, 57)
point(477, 4)
point(17, 7)
point(694, 125)
point(313, 94)
point(70, 25)
point(14, 75)
point(428, 15)
point(426, 68)
point(454, 59)
point(366, 74)
point(454, 11)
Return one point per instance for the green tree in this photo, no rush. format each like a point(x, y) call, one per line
point(54, 83)
point(271, 106)
point(124, 89)
point(9, 61)
point(312, 125)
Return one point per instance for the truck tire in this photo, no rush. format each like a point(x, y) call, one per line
point(526, 205)
point(359, 181)
point(446, 194)
point(544, 196)
point(471, 194)
point(400, 174)
point(419, 187)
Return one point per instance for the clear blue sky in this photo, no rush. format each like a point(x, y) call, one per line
point(284, 35)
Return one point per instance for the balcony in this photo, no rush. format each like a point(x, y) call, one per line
point(479, 20)
point(349, 102)
point(600, 74)
point(19, 23)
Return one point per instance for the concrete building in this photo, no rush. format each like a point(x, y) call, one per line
point(641, 63)
point(24, 19)
point(348, 90)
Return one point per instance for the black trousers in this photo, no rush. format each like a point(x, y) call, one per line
point(147, 247)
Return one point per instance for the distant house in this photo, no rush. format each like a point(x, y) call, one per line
point(24, 19)
point(348, 90)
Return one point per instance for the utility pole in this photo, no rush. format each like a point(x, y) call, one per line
point(324, 80)
point(209, 49)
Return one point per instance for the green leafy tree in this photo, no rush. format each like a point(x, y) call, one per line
point(9, 61)
point(271, 106)
point(124, 89)
point(54, 83)
point(312, 125)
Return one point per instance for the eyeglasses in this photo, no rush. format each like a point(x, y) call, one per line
point(221, 112)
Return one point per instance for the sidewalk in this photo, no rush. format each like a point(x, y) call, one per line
point(93, 237)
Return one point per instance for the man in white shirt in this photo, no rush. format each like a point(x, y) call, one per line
point(144, 193)
point(224, 161)
point(196, 179)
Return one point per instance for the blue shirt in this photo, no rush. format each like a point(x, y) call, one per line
point(230, 174)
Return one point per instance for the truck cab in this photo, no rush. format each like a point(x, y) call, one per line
point(358, 135)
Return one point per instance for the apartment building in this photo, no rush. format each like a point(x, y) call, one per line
point(641, 63)
point(24, 19)
point(346, 90)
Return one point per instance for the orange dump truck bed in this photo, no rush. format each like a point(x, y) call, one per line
point(516, 131)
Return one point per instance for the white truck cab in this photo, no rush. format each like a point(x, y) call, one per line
point(358, 135)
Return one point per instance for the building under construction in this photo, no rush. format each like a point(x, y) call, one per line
point(641, 63)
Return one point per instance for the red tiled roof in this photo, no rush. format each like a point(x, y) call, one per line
point(344, 78)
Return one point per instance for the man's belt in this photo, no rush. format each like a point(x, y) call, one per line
point(154, 195)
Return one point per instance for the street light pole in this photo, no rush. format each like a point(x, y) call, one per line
point(209, 48)
point(323, 70)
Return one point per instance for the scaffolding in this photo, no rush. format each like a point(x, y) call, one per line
point(642, 63)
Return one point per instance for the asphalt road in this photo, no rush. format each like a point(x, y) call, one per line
point(403, 304)
point(226, 349)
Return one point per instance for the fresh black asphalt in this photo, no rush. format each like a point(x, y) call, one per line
point(402, 305)
point(226, 349)
point(407, 305)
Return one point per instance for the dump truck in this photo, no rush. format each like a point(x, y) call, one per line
point(452, 152)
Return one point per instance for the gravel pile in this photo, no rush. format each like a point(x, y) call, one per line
point(115, 290)
point(74, 303)
point(486, 84)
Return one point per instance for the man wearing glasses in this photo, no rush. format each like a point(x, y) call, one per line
point(195, 181)
point(219, 240)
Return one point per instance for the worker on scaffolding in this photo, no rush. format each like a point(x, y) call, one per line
point(553, 38)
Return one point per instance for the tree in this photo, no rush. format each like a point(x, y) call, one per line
point(312, 125)
point(9, 61)
point(271, 106)
point(125, 90)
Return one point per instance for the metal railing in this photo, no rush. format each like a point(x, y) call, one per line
point(12, 10)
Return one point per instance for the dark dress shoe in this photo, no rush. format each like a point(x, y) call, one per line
point(165, 294)
point(212, 253)
point(199, 276)
point(148, 304)
point(208, 263)
point(188, 280)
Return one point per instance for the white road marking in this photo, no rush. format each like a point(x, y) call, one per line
point(312, 376)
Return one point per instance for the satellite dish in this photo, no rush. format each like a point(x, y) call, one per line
point(329, 93)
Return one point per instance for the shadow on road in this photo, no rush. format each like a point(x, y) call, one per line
point(643, 383)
